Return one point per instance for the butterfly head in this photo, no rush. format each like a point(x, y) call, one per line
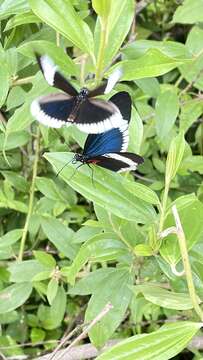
point(83, 93)
point(79, 157)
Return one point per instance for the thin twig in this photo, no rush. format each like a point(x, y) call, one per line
point(31, 199)
point(186, 262)
point(81, 352)
point(22, 81)
point(142, 5)
point(176, 272)
point(168, 231)
point(103, 313)
point(190, 85)
point(2, 356)
point(64, 341)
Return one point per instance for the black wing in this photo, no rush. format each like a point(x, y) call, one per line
point(99, 90)
point(97, 116)
point(118, 162)
point(53, 76)
point(123, 101)
point(107, 85)
point(53, 110)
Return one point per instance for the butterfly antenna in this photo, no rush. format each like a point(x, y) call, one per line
point(63, 167)
point(75, 171)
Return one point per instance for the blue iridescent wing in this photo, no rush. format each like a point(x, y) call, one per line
point(116, 139)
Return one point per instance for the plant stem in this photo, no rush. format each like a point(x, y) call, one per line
point(23, 81)
point(82, 70)
point(103, 43)
point(120, 235)
point(163, 206)
point(186, 262)
point(31, 199)
point(58, 39)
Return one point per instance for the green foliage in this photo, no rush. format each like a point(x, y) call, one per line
point(160, 345)
point(70, 245)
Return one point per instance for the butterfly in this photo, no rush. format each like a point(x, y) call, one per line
point(109, 149)
point(72, 107)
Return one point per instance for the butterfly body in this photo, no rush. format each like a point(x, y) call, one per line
point(82, 108)
point(79, 99)
point(109, 149)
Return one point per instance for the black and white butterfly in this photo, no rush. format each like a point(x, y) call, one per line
point(72, 107)
point(109, 149)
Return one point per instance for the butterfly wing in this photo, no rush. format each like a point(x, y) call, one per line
point(118, 162)
point(107, 85)
point(53, 76)
point(98, 116)
point(53, 110)
point(116, 139)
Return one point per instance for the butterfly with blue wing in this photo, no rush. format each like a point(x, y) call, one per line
point(109, 149)
point(72, 107)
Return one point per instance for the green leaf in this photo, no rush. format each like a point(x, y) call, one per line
point(191, 216)
point(60, 235)
point(10, 238)
point(166, 112)
point(175, 156)
point(149, 86)
point(193, 72)
point(162, 344)
point(14, 140)
point(17, 181)
point(190, 12)
point(101, 247)
point(21, 19)
point(14, 296)
point(193, 163)
point(114, 289)
point(10, 7)
point(92, 282)
point(190, 112)
point(52, 290)
point(4, 82)
point(49, 188)
point(25, 271)
point(37, 335)
point(135, 132)
point(22, 118)
point(44, 275)
point(45, 259)
point(52, 316)
point(153, 63)
point(112, 192)
point(165, 298)
point(102, 7)
point(120, 18)
point(62, 17)
point(63, 61)
point(170, 48)
point(143, 250)
point(143, 192)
